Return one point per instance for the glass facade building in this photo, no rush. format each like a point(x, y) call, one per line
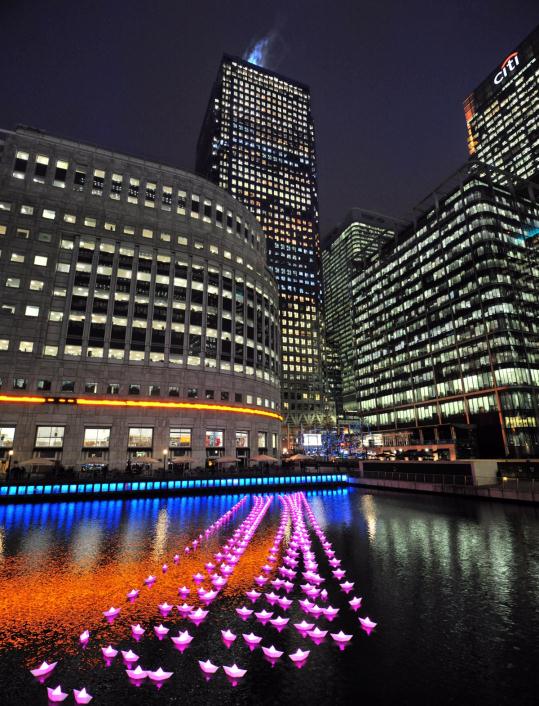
point(257, 142)
point(349, 248)
point(502, 114)
point(137, 315)
point(446, 325)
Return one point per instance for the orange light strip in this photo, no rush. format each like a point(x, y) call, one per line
point(144, 404)
point(22, 399)
point(202, 406)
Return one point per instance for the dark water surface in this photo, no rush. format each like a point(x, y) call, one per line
point(453, 585)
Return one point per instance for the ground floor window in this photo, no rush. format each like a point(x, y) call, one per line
point(96, 438)
point(140, 438)
point(214, 439)
point(49, 437)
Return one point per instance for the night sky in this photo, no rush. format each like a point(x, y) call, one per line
point(387, 79)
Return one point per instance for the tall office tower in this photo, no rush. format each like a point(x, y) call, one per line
point(502, 114)
point(257, 142)
point(349, 248)
point(446, 328)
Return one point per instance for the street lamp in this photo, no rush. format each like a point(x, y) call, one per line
point(165, 454)
point(9, 459)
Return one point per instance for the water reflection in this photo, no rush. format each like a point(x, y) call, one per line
point(452, 584)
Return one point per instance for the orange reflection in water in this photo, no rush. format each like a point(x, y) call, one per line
point(49, 598)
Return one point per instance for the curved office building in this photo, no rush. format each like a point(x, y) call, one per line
point(138, 318)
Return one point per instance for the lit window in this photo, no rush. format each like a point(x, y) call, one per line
point(17, 257)
point(4, 344)
point(113, 388)
point(19, 383)
point(90, 388)
point(49, 214)
point(60, 174)
point(40, 173)
point(50, 351)
point(96, 438)
point(27, 210)
point(26, 346)
point(70, 218)
point(40, 260)
point(21, 162)
point(132, 194)
point(56, 315)
point(31, 311)
point(180, 438)
point(90, 222)
point(214, 439)
point(13, 282)
point(50, 437)
point(140, 437)
point(98, 182)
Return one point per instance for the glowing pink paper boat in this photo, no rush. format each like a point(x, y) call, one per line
point(271, 652)
point(109, 652)
point(137, 631)
point(185, 609)
point(299, 657)
point(252, 640)
point(209, 596)
point(272, 598)
point(355, 603)
point(339, 573)
point(341, 639)
point(367, 625)
point(288, 586)
point(284, 602)
point(347, 586)
point(197, 616)
point(129, 656)
point(133, 594)
point(150, 580)
point(137, 674)
point(56, 695)
point(263, 616)
point(234, 673)
point(198, 577)
point(111, 613)
point(159, 675)
point(84, 637)
point(323, 595)
point(279, 622)
point(260, 581)
point(184, 591)
point(315, 610)
point(219, 581)
point(44, 669)
point(277, 583)
point(226, 570)
point(164, 568)
point(244, 612)
point(335, 563)
point(207, 667)
point(160, 631)
point(303, 627)
point(164, 609)
point(176, 558)
point(81, 696)
point(228, 637)
point(209, 566)
point(317, 635)
point(253, 595)
point(183, 640)
point(305, 605)
point(330, 613)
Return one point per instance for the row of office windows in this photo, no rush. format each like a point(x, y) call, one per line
point(132, 190)
point(115, 388)
point(53, 437)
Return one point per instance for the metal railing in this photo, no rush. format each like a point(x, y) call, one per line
point(438, 478)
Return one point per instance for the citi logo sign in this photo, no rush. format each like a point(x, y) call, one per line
point(508, 66)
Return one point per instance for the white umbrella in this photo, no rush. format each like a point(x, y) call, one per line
point(145, 459)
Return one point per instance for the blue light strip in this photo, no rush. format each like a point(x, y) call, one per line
point(9, 491)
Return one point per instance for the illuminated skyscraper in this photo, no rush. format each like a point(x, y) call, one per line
point(349, 248)
point(257, 142)
point(502, 114)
